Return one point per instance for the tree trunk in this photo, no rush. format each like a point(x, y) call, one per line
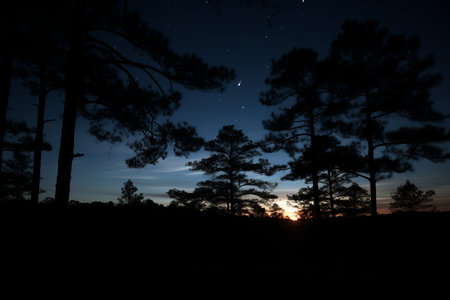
point(6, 75)
point(315, 177)
point(232, 197)
point(373, 191)
point(73, 82)
point(330, 189)
point(39, 130)
point(371, 159)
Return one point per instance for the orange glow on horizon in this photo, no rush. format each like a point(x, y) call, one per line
point(292, 217)
point(289, 211)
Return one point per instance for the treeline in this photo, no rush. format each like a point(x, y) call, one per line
point(363, 111)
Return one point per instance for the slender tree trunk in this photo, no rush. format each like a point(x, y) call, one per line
point(330, 190)
point(231, 182)
point(6, 75)
point(315, 177)
point(371, 159)
point(232, 197)
point(73, 82)
point(228, 202)
point(373, 188)
point(39, 130)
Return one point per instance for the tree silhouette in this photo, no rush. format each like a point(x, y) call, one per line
point(8, 30)
point(21, 31)
point(352, 200)
point(17, 175)
point(383, 81)
point(297, 78)
point(231, 159)
point(41, 66)
point(274, 211)
point(129, 195)
point(130, 114)
point(408, 198)
point(305, 202)
point(335, 166)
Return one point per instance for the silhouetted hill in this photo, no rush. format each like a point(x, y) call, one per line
point(109, 243)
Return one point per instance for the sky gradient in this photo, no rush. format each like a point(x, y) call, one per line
point(244, 36)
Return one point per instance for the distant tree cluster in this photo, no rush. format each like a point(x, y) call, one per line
point(409, 198)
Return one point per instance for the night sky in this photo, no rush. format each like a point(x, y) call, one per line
point(244, 35)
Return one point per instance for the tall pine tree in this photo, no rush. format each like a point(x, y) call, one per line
point(232, 158)
point(384, 82)
point(133, 110)
point(297, 79)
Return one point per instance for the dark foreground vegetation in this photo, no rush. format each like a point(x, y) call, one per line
point(86, 244)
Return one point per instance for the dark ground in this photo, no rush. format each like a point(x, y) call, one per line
point(82, 246)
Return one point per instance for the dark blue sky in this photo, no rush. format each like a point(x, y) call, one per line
point(245, 36)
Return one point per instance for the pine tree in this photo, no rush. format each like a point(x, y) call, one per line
point(41, 67)
point(18, 177)
point(8, 32)
point(353, 200)
point(383, 80)
point(199, 200)
point(304, 200)
point(335, 167)
point(91, 77)
point(409, 198)
point(19, 142)
point(232, 158)
point(129, 195)
point(298, 79)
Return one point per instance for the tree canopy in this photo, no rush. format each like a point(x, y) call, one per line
point(409, 198)
point(232, 159)
point(129, 194)
point(386, 87)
